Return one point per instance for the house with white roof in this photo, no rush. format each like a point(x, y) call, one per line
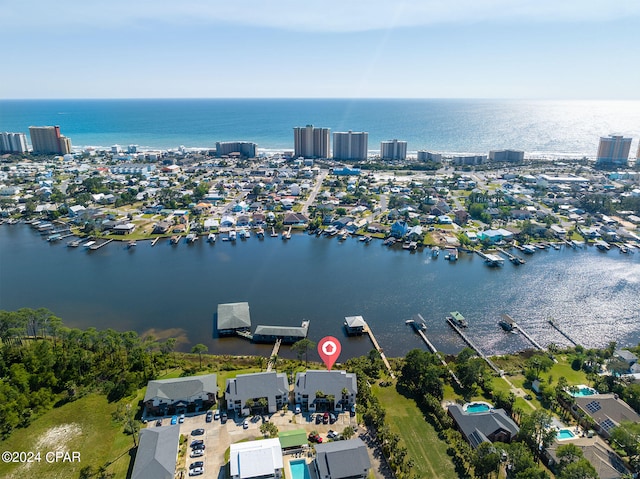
point(256, 459)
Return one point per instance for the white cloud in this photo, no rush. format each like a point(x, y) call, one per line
point(297, 15)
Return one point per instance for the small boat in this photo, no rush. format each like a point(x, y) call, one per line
point(602, 245)
point(232, 235)
point(54, 237)
point(244, 234)
point(260, 233)
point(174, 239)
point(192, 238)
point(367, 239)
point(417, 323)
point(507, 323)
point(528, 249)
point(457, 319)
point(73, 243)
point(435, 251)
point(452, 254)
point(406, 245)
point(89, 244)
point(131, 244)
point(211, 238)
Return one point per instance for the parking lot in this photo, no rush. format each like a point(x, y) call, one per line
point(218, 435)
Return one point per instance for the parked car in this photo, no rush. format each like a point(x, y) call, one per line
point(159, 422)
point(315, 438)
point(332, 434)
point(199, 447)
point(197, 432)
point(196, 442)
point(245, 424)
point(325, 418)
point(332, 418)
point(174, 420)
point(223, 417)
point(197, 453)
point(216, 414)
point(318, 418)
point(352, 411)
point(198, 471)
point(181, 420)
point(209, 417)
point(196, 464)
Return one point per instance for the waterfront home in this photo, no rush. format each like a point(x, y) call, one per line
point(342, 460)
point(494, 236)
point(124, 229)
point(161, 227)
point(245, 391)
point(243, 220)
point(414, 233)
point(461, 217)
point(492, 425)
point(256, 460)
point(325, 390)
point(75, 210)
point(232, 317)
point(444, 220)
point(377, 228)
point(227, 221)
point(171, 396)
point(606, 462)
point(296, 219)
point(399, 229)
point(157, 453)
point(258, 219)
point(605, 410)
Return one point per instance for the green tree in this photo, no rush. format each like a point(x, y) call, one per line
point(348, 432)
point(199, 349)
point(486, 460)
point(536, 431)
point(269, 429)
point(302, 348)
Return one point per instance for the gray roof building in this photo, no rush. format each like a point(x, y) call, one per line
point(180, 392)
point(232, 316)
point(606, 410)
point(270, 385)
point(157, 453)
point(330, 383)
point(342, 460)
point(492, 425)
point(288, 334)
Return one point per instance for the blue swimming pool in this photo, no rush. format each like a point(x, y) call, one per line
point(565, 434)
point(299, 469)
point(477, 407)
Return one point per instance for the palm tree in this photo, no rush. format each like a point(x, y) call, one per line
point(199, 349)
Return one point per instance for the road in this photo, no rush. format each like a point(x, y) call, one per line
point(314, 192)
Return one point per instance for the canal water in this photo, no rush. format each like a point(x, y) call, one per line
point(173, 291)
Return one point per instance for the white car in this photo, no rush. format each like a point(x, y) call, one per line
point(245, 424)
point(198, 471)
point(197, 453)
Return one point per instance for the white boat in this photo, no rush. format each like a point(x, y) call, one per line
point(232, 235)
point(528, 249)
point(89, 244)
point(435, 251)
point(211, 238)
point(192, 238)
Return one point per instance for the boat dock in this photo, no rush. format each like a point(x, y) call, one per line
point(555, 326)
point(513, 258)
point(97, 246)
point(367, 330)
point(245, 334)
point(153, 243)
point(473, 346)
point(274, 355)
point(526, 335)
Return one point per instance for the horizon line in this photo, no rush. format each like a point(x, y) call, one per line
point(326, 98)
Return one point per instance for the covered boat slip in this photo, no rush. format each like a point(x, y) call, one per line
point(288, 334)
point(458, 318)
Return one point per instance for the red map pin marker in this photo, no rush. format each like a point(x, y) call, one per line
point(329, 349)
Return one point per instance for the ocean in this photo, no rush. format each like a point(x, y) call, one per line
point(549, 129)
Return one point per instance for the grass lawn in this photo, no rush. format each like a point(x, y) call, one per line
point(425, 448)
point(84, 426)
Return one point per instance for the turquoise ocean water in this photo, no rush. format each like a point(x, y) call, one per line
point(541, 128)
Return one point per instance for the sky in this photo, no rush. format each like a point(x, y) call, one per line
point(524, 49)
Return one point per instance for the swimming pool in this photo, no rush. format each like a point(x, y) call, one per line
point(476, 407)
point(299, 469)
point(564, 434)
point(582, 391)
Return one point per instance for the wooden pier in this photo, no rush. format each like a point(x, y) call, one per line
point(153, 243)
point(367, 330)
point(551, 322)
point(473, 346)
point(531, 340)
point(433, 349)
point(100, 245)
point(274, 355)
point(245, 335)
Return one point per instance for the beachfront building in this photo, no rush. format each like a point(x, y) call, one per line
point(429, 156)
point(326, 390)
point(311, 142)
point(342, 460)
point(244, 149)
point(256, 459)
point(249, 391)
point(350, 145)
point(393, 150)
point(47, 140)
point(157, 453)
point(13, 143)
point(466, 160)
point(507, 156)
point(233, 317)
point(171, 396)
point(613, 151)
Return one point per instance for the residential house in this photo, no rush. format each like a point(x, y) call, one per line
point(251, 388)
point(626, 356)
point(325, 390)
point(297, 219)
point(157, 453)
point(256, 459)
point(606, 462)
point(461, 217)
point(227, 222)
point(376, 228)
point(399, 229)
point(494, 425)
point(342, 460)
point(124, 229)
point(494, 236)
point(161, 227)
point(170, 396)
point(605, 410)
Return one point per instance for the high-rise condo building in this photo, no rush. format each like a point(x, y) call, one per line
point(510, 156)
point(244, 149)
point(350, 145)
point(424, 155)
point(13, 143)
point(48, 140)
point(393, 150)
point(613, 151)
point(311, 142)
